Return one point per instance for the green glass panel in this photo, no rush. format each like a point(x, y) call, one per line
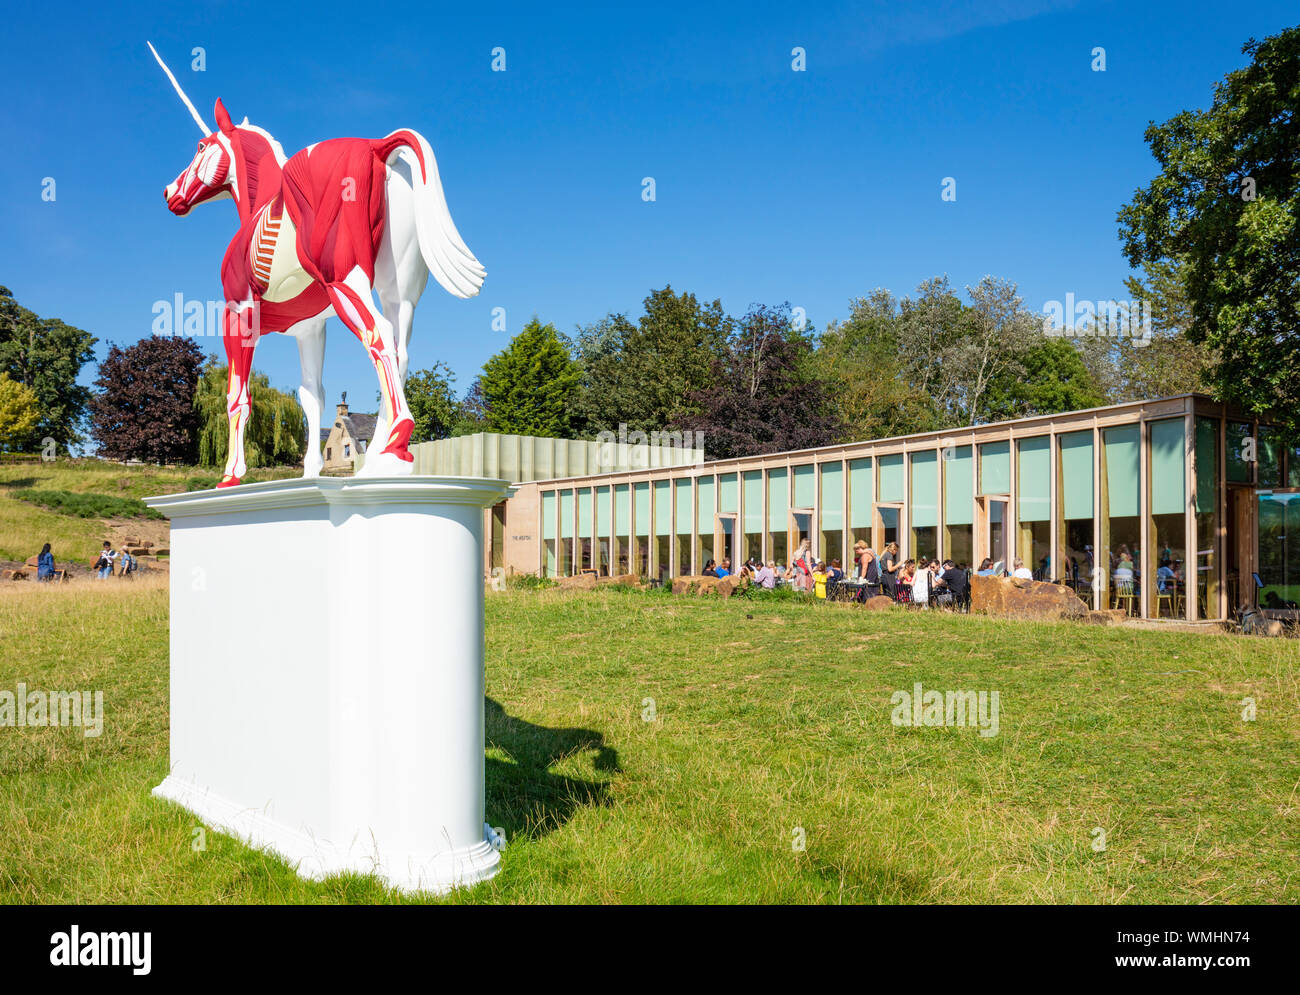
point(1207, 465)
point(584, 512)
point(642, 519)
point(1168, 467)
point(685, 508)
point(663, 508)
point(622, 509)
point(995, 468)
point(548, 515)
point(1076, 474)
point(1034, 479)
point(602, 511)
point(891, 477)
point(860, 494)
point(1121, 452)
point(805, 486)
point(925, 489)
point(728, 494)
point(1270, 457)
point(566, 514)
point(778, 500)
point(959, 487)
point(832, 506)
point(707, 506)
point(1236, 443)
point(753, 497)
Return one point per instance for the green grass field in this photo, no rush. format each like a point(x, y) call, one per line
point(25, 526)
point(770, 724)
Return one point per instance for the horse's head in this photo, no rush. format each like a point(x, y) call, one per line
point(210, 174)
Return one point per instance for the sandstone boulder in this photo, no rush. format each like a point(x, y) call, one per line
point(697, 585)
point(589, 582)
point(1014, 597)
point(582, 582)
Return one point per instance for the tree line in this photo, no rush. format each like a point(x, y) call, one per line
point(764, 381)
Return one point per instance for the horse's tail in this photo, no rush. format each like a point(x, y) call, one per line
point(444, 251)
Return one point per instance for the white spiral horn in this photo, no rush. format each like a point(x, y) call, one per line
point(179, 92)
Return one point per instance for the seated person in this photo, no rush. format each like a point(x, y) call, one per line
point(1165, 578)
point(710, 569)
point(765, 576)
point(954, 581)
point(986, 568)
point(1022, 571)
point(45, 564)
point(723, 569)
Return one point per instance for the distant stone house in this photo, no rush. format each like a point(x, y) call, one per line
point(347, 437)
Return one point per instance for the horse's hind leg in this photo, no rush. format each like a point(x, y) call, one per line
point(353, 303)
point(310, 336)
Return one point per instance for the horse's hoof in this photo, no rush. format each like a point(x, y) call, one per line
point(386, 465)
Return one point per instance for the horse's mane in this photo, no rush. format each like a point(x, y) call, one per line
point(263, 158)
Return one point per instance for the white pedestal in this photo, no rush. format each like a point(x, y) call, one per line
point(327, 672)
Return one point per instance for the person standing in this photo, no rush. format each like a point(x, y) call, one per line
point(889, 569)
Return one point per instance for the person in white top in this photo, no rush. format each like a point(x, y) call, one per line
point(921, 585)
point(1022, 571)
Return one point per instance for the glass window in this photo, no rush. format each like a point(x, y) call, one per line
point(1207, 518)
point(1168, 468)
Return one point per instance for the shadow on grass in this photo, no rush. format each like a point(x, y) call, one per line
point(525, 796)
point(18, 483)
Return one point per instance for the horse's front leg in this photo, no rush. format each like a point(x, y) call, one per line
point(310, 336)
point(239, 337)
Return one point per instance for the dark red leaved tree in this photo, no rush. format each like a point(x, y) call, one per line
point(144, 408)
point(763, 398)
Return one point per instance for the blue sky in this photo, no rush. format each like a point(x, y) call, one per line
point(771, 185)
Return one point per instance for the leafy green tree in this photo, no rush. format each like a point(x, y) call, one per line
point(527, 386)
point(433, 404)
point(644, 375)
point(1227, 202)
point(472, 411)
point(859, 362)
point(46, 355)
point(19, 411)
point(1054, 378)
point(1169, 363)
point(277, 428)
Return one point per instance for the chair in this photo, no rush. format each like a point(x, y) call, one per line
point(1125, 593)
point(1166, 598)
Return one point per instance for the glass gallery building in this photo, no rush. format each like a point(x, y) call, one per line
point(1181, 482)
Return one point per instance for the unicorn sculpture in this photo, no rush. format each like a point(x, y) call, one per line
point(318, 234)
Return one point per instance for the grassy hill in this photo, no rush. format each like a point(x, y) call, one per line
point(25, 526)
point(648, 748)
